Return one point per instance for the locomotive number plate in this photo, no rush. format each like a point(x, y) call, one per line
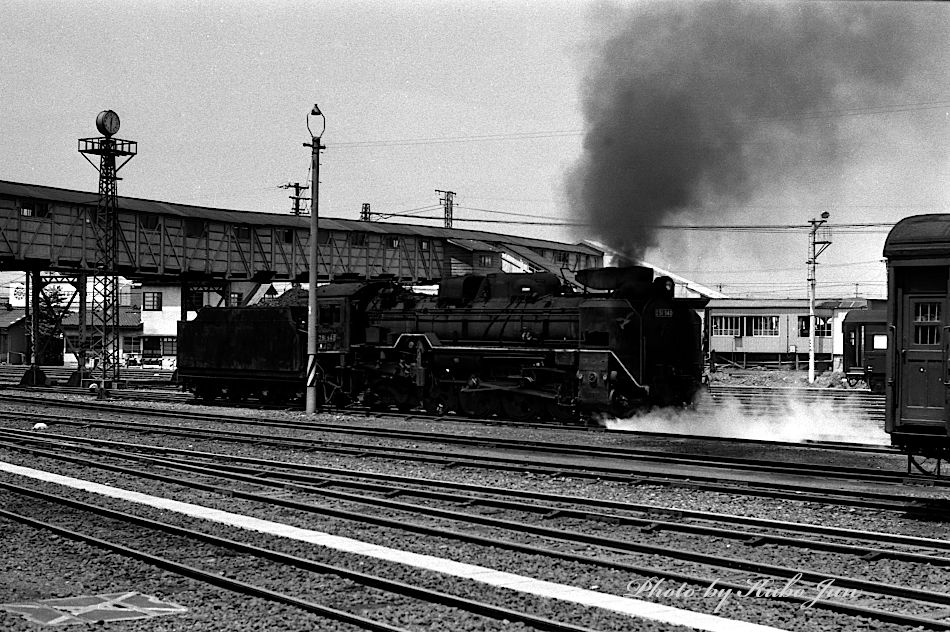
point(663, 312)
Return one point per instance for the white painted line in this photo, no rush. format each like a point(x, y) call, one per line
point(492, 577)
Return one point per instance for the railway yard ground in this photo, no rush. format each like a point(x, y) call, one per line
point(142, 514)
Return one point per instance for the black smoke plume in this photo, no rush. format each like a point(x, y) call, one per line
point(694, 106)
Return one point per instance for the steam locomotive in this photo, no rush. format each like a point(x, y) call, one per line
point(521, 346)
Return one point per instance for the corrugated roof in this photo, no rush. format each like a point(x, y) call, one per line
point(919, 235)
point(16, 189)
point(472, 245)
point(129, 317)
point(11, 317)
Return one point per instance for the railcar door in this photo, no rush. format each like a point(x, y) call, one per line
point(922, 390)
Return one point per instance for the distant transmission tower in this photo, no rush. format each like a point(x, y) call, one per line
point(447, 200)
point(105, 285)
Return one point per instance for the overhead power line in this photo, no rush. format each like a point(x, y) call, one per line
point(541, 134)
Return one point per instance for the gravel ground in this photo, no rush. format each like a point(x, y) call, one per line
point(37, 564)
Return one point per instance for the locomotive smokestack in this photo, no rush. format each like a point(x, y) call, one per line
point(694, 107)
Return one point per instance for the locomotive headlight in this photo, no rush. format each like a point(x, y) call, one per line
point(580, 375)
point(603, 378)
point(613, 376)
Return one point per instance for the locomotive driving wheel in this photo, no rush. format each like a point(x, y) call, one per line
point(520, 407)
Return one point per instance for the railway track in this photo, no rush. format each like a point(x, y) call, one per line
point(159, 531)
point(418, 416)
point(696, 471)
point(576, 526)
point(534, 446)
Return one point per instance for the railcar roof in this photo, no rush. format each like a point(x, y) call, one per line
point(866, 316)
point(920, 235)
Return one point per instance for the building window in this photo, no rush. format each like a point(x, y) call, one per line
point(927, 323)
point(194, 228)
point(726, 325)
point(822, 326)
point(764, 325)
point(357, 239)
point(34, 208)
point(485, 261)
point(132, 344)
point(424, 245)
point(561, 257)
point(194, 300)
point(169, 346)
point(392, 241)
point(151, 301)
point(148, 221)
point(242, 233)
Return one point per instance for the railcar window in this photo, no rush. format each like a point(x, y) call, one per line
point(484, 261)
point(424, 245)
point(726, 325)
point(880, 341)
point(392, 242)
point(330, 314)
point(357, 239)
point(242, 233)
point(765, 325)
point(822, 326)
point(927, 323)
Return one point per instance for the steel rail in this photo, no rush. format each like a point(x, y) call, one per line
point(401, 588)
point(753, 465)
point(356, 479)
point(257, 476)
point(928, 597)
point(207, 577)
point(772, 489)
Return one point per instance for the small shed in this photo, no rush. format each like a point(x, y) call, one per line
point(14, 348)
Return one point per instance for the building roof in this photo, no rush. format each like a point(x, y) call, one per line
point(11, 317)
point(919, 235)
point(69, 196)
point(787, 303)
point(130, 317)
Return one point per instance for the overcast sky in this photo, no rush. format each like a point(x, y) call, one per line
point(502, 102)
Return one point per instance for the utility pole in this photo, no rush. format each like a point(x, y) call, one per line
point(365, 214)
point(817, 245)
point(447, 200)
point(297, 187)
point(313, 306)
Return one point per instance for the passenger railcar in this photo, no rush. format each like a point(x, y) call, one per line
point(865, 347)
point(516, 345)
point(918, 384)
